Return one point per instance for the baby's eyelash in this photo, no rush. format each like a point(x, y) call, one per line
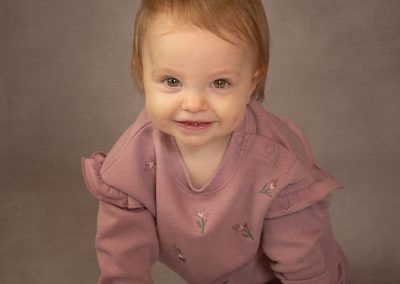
point(172, 82)
point(221, 83)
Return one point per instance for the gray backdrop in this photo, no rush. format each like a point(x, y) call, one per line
point(66, 92)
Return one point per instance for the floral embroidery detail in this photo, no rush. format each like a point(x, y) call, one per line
point(149, 165)
point(179, 253)
point(269, 187)
point(203, 215)
point(244, 229)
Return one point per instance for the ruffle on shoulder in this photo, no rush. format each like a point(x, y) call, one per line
point(307, 183)
point(102, 191)
point(298, 195)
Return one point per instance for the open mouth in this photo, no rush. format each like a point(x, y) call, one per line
point(194, 124)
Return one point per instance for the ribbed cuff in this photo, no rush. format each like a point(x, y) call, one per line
point(321, 279)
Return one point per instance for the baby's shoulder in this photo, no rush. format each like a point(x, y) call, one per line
point(283, 132)
point(302, 182)
point(135, 143)
point(125, 174)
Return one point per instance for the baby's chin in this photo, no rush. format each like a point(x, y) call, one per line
point(198, 142)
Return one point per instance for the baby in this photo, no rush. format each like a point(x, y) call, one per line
point(206, 180)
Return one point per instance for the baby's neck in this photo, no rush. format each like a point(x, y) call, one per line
point(201, 162)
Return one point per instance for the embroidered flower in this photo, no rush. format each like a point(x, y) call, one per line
point(269, 187)
point(149, 165)
point(203, 215)
point(179, 253)
point(244, 230)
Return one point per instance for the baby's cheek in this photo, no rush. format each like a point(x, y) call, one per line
point(160, 113)
point(152, 110)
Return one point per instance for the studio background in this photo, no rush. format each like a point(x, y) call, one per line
point(66, 92)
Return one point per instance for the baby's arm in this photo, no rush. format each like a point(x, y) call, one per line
point(126, 243)
point(297, 234)
point(292, 242)
point(126, 239)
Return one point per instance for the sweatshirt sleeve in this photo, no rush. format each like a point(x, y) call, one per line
point(126, 238)
point(292, 242)
point(297, 222)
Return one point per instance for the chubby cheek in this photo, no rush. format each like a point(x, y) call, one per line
point(159, 111)
point(233, 114)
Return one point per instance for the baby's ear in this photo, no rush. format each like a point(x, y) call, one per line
point(256, 76)
point(255, 79)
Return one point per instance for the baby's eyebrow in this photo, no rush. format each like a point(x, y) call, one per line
point(226, 73)
point(164, 71)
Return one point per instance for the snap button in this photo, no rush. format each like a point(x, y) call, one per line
point(238, 139)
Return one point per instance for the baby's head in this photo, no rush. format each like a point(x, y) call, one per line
point(236, 21)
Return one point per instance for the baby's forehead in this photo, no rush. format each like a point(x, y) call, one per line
point(165, 24)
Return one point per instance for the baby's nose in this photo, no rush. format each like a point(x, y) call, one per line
point(194, 101)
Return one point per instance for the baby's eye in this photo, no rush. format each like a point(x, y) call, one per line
point(220, 83)
point(172, 82)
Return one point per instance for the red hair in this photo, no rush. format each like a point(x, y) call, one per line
point(245, 19)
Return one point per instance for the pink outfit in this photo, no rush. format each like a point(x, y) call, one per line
point(262, 214)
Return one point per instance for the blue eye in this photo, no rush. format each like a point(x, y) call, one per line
point(220, 83)
point(172, 82)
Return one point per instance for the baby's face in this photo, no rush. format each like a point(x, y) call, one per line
point(196, 84)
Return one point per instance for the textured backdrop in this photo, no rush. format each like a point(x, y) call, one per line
point(66, 92)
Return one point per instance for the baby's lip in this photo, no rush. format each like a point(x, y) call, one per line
point(194, 125)
point(194, 122)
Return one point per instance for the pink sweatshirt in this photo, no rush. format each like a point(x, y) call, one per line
point(263, 214)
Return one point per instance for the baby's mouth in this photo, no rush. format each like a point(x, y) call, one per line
point(195, 124)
